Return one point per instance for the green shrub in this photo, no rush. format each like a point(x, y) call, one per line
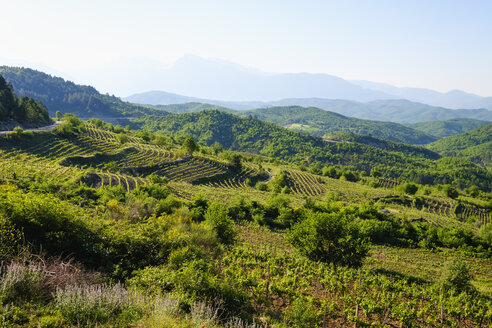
point(10, 240)
point(456, 274)
point(301, 314)
point(330, 238)
point(217, 218)
point(485, 233)
point(409, 188)
point(261, 186)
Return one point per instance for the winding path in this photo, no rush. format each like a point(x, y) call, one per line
point(43, 128)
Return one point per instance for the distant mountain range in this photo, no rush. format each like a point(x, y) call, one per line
point(226, 81)
point(394, 110)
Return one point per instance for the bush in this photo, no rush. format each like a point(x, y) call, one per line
point(20, 283)
point(10, 240)
point(330, 238)
point(301, 314)
point(261, 186)
point(216, 217)
point(450, 191)
point(485, 233)
point(409, 188)
point(456, 274)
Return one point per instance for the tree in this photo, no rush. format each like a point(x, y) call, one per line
point(409, 188)
point(122, 138)
point(218, 219)
point(450, 191)
point(235, 162)
point(190, 145)
point(456, 274)
point(217, 148)
point(330, 238)
point(58, 115)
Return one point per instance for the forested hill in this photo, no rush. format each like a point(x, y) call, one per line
point(21, 110)
point(442, 129)
point(320, 122)
point(253, 135)
point(192, 107)
point(475, 145)
point(67, 97)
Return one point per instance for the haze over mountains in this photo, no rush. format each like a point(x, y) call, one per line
point(222, 80)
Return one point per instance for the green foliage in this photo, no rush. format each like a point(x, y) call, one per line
point(443, 129)
point(122, 138)
point(218, 219)
point(22, 110)
point(475, 144)
point(485, 232)
point(190, 146)
point(57, 94)
point(48, 223)
point(301, 314)
point(450, 191)
point(330, 238)
point(456, 274)
point(361, 153)
point(10, 240)
point(409, 188)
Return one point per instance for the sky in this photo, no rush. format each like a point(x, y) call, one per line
point(435, 44)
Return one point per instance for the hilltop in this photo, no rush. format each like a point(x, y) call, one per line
point(67, 97)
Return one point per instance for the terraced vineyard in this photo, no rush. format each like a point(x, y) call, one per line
point(465, 211)
point(231, 179)
point(386, 183)
point(305, 183)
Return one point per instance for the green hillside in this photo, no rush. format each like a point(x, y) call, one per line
point(160, 234)
point(67, 97)
point(321, 122)
point(191, 107)
point(23, 110)
point(442, 129)
point(248, 134)
point(475, 145)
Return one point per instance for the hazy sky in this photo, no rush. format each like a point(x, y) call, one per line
point(436, 44)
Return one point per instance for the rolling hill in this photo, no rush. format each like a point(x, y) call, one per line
point(393, 110)
point(475, 145)
point(320, 122)
point(248, 134)
point(67, 97)
point(442, 129)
